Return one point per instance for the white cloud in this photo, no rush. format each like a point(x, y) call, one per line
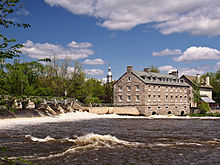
point(194, 16)
point(166, 52)
point(97, 61)
point(165, 68)
point(94, 72)
point(190, 71)
point(198, 53)
point(73, 50)
point(201, 69)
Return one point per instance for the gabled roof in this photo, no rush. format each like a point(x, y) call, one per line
point(158, 78)
point(192, 79)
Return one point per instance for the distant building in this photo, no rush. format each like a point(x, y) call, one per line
point(205, 89)
point(109, 75)
point(152, 93)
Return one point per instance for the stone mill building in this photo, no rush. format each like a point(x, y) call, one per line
point(152, 93)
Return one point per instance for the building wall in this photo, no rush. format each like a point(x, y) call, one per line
point(204, 91)
point(131, 92)
point(160, 99)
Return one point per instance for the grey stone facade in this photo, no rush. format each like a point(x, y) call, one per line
point(152, 93)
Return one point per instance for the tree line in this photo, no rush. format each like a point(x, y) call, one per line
point(35, 79)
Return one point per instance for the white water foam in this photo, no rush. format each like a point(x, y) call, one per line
point(88, 141)
point(78, 116)
point(35, 139)
point(72, 116)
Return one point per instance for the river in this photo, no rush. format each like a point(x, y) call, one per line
point(82, 138)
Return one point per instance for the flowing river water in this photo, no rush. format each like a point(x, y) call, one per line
point(83, 138)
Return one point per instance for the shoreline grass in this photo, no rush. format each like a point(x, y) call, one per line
point(204, 115)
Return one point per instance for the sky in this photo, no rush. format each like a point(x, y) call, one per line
point(97, 33)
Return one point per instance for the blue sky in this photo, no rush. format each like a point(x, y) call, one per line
point(166, 33)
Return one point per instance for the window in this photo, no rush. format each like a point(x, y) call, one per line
point(185, 97)
point(176, 89)
point(166, 88)
point(129, 88)
point(184, 107)
point(181, 98)
point(158, 97)
point(154, 97)
point(171, 97)
point(137, 97)
point(120, 88)
point(129, 98)
point(148, 96)
point(148, 87)
point(159, 108)
point(158, 88)
point(166, 107)
point(129, 79)
point(166, 97)
point(171, 89)
point(176, 107)
point(149, 108)
point(137, 87)
point(185, 90)
point(154, 87)
point(120, 98)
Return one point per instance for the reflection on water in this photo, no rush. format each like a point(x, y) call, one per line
point(114, 141)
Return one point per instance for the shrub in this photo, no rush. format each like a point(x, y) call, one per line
point(204, 107)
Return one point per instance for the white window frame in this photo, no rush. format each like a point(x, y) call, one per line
point(120, 98)
point(137, 97)
point(159, 88)
point(137, 87)
point(128, 88)
point(129, 98)
point(129, 79)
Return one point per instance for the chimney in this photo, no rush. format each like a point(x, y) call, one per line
point(147, 70)
point(129, 68)
point(173, 72)
point(207, 81)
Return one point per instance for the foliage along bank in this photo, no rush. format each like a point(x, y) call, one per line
point(34, 79)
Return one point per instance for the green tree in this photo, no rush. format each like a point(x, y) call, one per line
point(204, 107)
point(76, 85)
point(94, 90)
point(108, 97)
point(215, 83)
point(196, 91)
point(154, 69)
point(7, 48)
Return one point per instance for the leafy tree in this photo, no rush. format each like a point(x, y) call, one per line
point(108, 97)
point(204, 107)
point(94, 90)
point(7, 48)
point(76, 86)
point(215, 83)
point(196, 91)
point(154, 69)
